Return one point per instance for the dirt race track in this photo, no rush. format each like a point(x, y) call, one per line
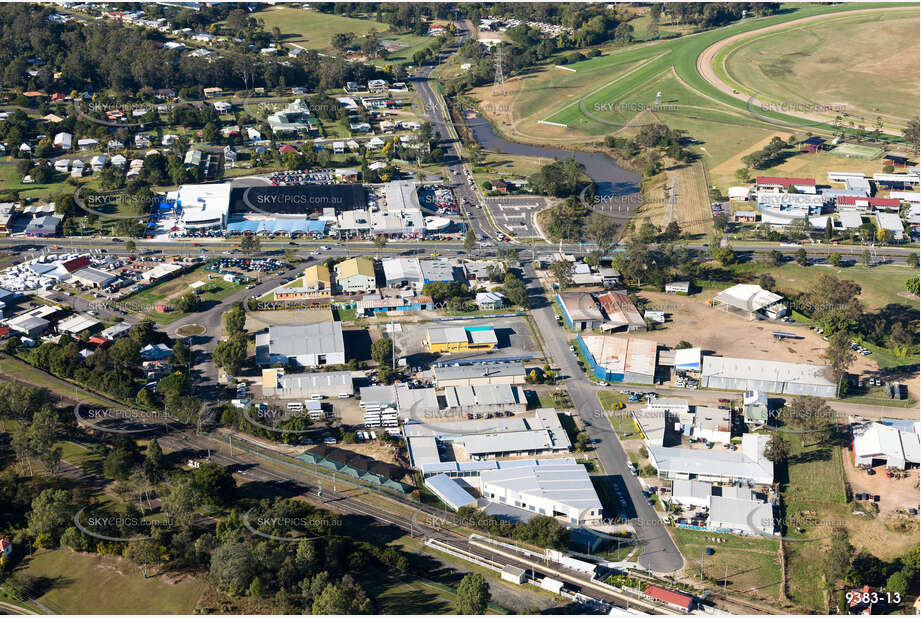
point(706, 58)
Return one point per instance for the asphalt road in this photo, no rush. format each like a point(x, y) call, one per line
point(659, 552)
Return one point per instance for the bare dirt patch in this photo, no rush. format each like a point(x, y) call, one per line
point(713, 329)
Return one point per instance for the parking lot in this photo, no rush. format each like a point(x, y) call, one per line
point(515, 215)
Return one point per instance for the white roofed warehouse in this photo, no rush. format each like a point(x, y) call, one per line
point(745, 374)
point(564, 491)
point(883, 442)
point(751, 301)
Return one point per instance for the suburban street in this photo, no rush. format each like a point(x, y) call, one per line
point(659, 552)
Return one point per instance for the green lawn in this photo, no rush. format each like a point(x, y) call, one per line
point(314, 30)
point(94, 584)
point(815, 473)
point(750, 566)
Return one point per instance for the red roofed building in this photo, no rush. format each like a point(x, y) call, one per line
point(675, 599)
point(780, 183)
point(99, 342)
point(865, 600)
point(866, 204)
point(287, 148)
point(76, 263)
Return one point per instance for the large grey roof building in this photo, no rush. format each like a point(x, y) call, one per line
point(745, 374)
point(563, 490)
point(307, 345)
point(482, 373)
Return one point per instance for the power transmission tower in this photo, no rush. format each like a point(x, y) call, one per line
point(498, 86)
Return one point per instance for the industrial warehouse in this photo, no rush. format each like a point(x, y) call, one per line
point(616, 359)
point(743, 374)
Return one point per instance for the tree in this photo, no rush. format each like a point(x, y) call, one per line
point(153, 460)
point(683, 345)
point(834, 259)
point(189, 302)
point(515, 290)
point(250, 244)
point(343, 598)
point(229, 354)
point(562, 272)
point(766, 281)
point(235, 320)
point(672, 231)
point(181, 502)
point(772, 258)
point(897, 583)
point(743, 174)
point(182, 355)
point(776, 450)
point(232, 567)
point(214, 483)
point(912, 260)
point(725, 256)
point(601, 230)
point(840, 356)
point(912, 285)
point(884, 236)
point(51, 512)
point(129, 245)
point(801, 258)
point(721, 222)
point(469, 240)
point(382, 351)
point(829, 229)
point(647, 233)
point(473, 595)
point(865, 258)
point(809, 415)
point(380, 241)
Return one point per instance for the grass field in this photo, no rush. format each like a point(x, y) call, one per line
point(796, 65)
point(214, 290)
point(856, 151)
point(314, 30)
point(95, 584)
point(748, 565)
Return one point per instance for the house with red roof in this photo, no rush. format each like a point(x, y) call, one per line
point(672, 598)
point(781, 183)
point(866, 600)
point(287, 148)
point(863, 205)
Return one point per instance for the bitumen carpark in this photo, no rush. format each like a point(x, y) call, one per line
point(515, 215)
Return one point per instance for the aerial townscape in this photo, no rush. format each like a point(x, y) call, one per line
point(460, 308)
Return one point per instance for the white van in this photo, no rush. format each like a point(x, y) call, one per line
point(295, 406)
point(344, 395)
point(317, 397)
